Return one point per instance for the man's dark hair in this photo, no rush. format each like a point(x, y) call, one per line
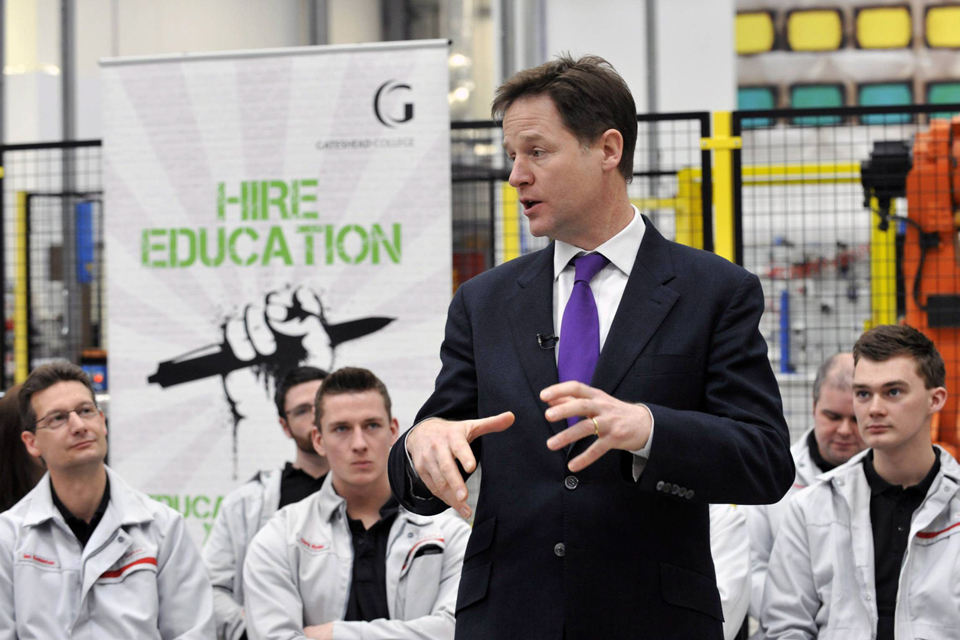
point(589, 94)
point(831, 374)
point(889, 341)
point(18, 474)
point(296, 376)
point(350, 380)
point(44, 377)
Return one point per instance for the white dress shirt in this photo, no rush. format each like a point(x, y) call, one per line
point(607, 286)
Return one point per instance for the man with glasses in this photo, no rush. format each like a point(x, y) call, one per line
point(84, 554)
point(248, 508)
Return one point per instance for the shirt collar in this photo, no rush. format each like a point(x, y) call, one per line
point(290, 471)
point(68, 516)
point(878, 485)
point(621, 250)
point(818, 459)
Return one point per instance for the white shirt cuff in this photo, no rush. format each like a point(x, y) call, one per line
point(640, 456)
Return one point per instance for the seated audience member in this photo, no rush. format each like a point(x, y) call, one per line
point(871, 550)
point(84, 555)
point(349, 562)
point(19, 471)
point(831, 441)
point(730, 546)
point(245, 510)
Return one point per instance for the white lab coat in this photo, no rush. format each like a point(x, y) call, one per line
point(763, 520)
point(299, 567)
point(820, 582)
point(139, 576)
point(242, 514)
point(730, 546)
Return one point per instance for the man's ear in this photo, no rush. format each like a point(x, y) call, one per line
point(938, 398)
point(286, 427)
point(30, 442)
point(611, 144)
point(394, 429)
point(317, 439)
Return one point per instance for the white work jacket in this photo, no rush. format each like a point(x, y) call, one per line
point(299, 568)
point(242, 514)
point(139, 576)
point(730, 547)
point(820, 582)
point(763, 520)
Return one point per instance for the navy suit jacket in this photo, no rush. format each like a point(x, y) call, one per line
point(597, 555)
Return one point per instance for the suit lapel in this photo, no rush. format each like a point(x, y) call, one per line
point(530, 309)
point(645, 304)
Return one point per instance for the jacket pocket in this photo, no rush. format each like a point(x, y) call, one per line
point(480, 538)
point(689, 589)
point(473, 586)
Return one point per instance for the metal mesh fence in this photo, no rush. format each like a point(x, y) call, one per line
point(672, 181)
point(52, 254)
point(829, 266)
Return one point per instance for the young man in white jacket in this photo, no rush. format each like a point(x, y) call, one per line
point(348, 562)
point(84, 555)
point(872, 549)
point(248, 508)
point(830, 442)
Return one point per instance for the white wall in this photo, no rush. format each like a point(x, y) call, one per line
point(612, 29)
point(696, 64)
point(353, 21)
point(32, 80)
point(106, 28)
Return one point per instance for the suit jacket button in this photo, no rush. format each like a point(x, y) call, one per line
point(675, 490)
point(660, 486)
point(560, 550)
point(571, 482)
point(689, 493)
point(666, 487)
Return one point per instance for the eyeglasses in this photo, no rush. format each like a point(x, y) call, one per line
point(88, 412)
point(300, 411)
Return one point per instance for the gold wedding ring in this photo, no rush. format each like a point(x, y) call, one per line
point(596, 427)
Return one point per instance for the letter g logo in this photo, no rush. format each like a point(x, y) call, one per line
point(380, 99)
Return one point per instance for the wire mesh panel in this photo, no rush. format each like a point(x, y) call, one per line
point(52, 254)
point(479, 236)
point(826, 219)
point(672, 176)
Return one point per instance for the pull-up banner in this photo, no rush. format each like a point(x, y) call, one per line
point(265, 210)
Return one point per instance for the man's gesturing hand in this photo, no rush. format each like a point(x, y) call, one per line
point(435, 444)
point(622, 425)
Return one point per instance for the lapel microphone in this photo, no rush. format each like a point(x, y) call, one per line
point(547, 341)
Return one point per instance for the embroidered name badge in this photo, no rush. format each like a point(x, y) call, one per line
point(312, 547)
point(41, 561)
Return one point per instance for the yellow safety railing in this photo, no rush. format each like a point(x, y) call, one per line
point(21, 327)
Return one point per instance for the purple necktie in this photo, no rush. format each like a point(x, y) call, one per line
point(580, 328)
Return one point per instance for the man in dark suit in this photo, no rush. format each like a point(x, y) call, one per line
point(602, 450)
